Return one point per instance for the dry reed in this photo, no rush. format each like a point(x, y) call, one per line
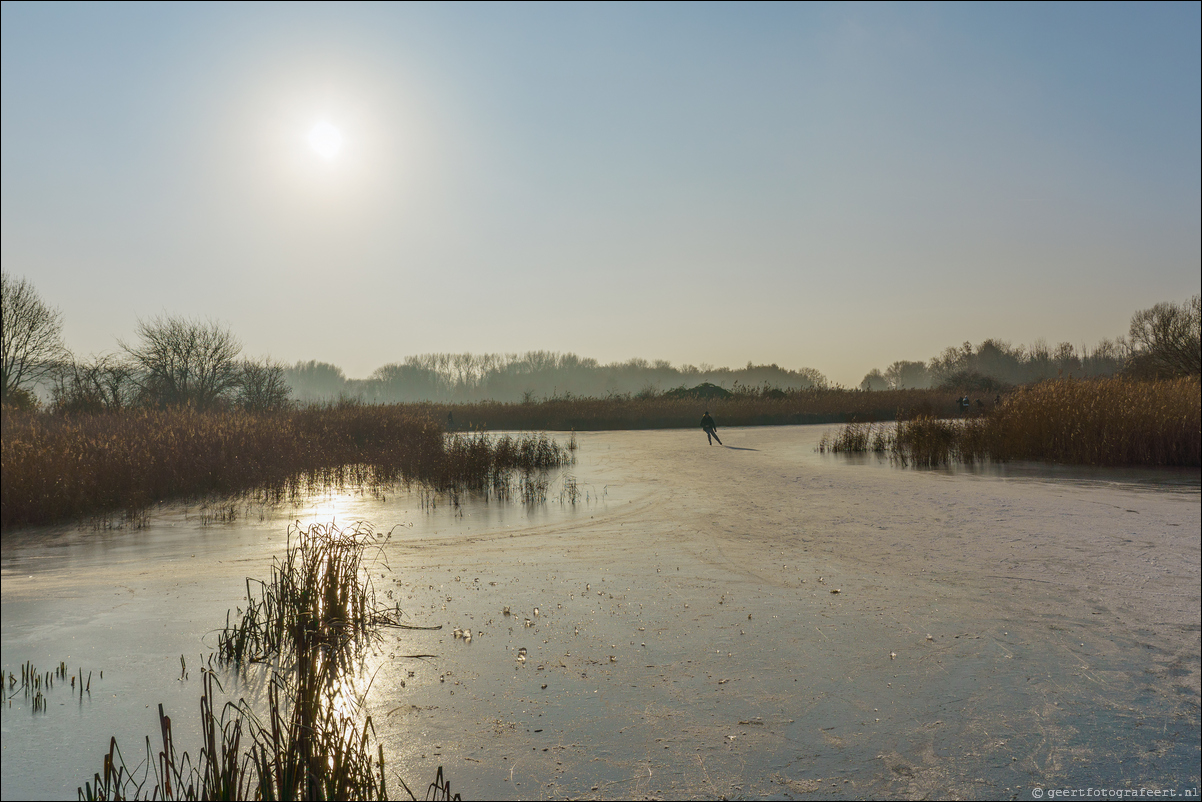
point(857, 438)
point(669, 412)
point(1101, 422)
point(319, 602)
point(1105, 422)
point(61, 467)
point(308, 623)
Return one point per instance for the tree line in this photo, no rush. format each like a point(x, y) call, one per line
point(174, 361)
point(178, 361)
point(1161, 342)
point(535, 375)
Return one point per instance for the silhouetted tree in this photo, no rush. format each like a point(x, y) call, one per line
point(537, 374)
point(103, 384)
point(407, 382)
point(1106, 359)
point(185, 362)
point(1168, 339)
point(262, 387)
point(995, 364)
point(31, 343)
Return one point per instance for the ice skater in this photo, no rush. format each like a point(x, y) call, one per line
point(711, 430)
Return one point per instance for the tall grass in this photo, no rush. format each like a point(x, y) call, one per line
point(308, 623)
point(61, 467)
point(930, 442)
point(1105, 422)
point(857, 438)
point(318, 602)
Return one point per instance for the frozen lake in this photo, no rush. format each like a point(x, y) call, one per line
point(992, 631)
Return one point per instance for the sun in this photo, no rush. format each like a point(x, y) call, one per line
point(326, 140)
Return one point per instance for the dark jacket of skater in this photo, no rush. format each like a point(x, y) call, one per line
point(711, 430)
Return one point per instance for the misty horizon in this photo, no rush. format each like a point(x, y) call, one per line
point(992, 364)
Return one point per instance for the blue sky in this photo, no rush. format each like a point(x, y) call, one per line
point(829, 186)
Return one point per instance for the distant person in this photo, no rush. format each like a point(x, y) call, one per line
point(450, 421)
point(711, 429)
point(964, 404)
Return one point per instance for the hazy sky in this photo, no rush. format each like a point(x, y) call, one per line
point(829, 186)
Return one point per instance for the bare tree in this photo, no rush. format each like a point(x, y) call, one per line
point(103, 384)
point(185, 362)
point(1107, 357)
point(815, 378)
point(1168, 339)
point(262, 386)
point(31, 344)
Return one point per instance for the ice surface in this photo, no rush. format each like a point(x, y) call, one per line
point(993, 630)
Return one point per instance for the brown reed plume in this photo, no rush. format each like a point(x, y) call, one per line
point(1101, 422)
point(61, 467)
point(1104, 422)
point(857, 438)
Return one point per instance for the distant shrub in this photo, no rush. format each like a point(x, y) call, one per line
point(972, 381)
point(21, 399)
point(702, 391)
point(874, 380)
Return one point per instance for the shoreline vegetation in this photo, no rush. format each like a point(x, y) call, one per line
point(62, 467)
point(681, 409)
point(59, 467)
point(180, 413)
point(1106, 422)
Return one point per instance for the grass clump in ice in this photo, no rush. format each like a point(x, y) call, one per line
point(307, 623)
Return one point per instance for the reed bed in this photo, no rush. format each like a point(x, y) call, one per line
point(1104, 422)
point(502, 466)
point(62, 467)
point(317, 613)
point(857, 438)
point(930, 442)
point(670, 412)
